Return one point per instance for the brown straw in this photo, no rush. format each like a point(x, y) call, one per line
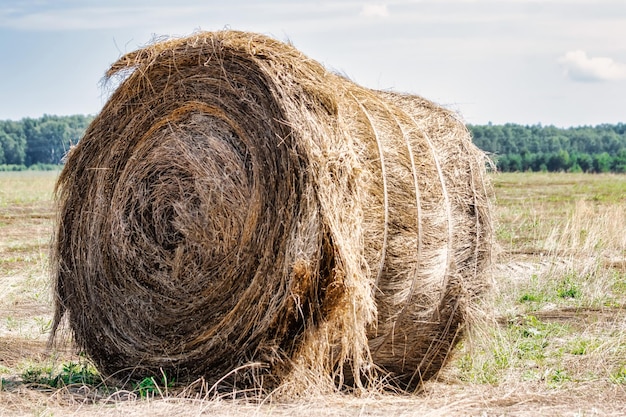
point(237, 212)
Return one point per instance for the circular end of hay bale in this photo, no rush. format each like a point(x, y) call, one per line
point(174, 250)
point(183, 201)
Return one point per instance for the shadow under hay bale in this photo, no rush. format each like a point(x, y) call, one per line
point(235, 206)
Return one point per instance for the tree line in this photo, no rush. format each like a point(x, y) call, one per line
point(43, 142)
point(39, 143)
point(514, 147)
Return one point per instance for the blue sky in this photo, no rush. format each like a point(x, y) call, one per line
point(554, 62)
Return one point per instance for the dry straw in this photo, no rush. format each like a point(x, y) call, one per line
point(237, 212)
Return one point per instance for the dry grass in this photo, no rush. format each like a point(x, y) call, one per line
point(547, 355)
point(560, 291)
point(445, 400)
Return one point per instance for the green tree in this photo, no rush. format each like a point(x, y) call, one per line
point(559, 161)
point(13, 142)
point(585, 161)
point(602, 162)
point(515, 162)
point(4, 137)
point(619, 162)
point(583, 148)
point(45, 144)
point(502, 163)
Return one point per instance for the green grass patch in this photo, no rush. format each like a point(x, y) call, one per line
point(557, 377)
point(526, 343)
point(150, 387)
point(568, 287)
point(619, 282)
point(83, 373)
point(619, 376)
point(71, 373)
point(581, 346)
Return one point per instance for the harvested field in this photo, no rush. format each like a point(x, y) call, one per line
point(555, 349)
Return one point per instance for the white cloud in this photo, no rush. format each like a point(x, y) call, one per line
point(374, 10)
point(579, 67)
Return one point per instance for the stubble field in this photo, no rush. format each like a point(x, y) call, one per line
point(553, 341)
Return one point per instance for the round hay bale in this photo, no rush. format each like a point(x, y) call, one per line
point(237, 212)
